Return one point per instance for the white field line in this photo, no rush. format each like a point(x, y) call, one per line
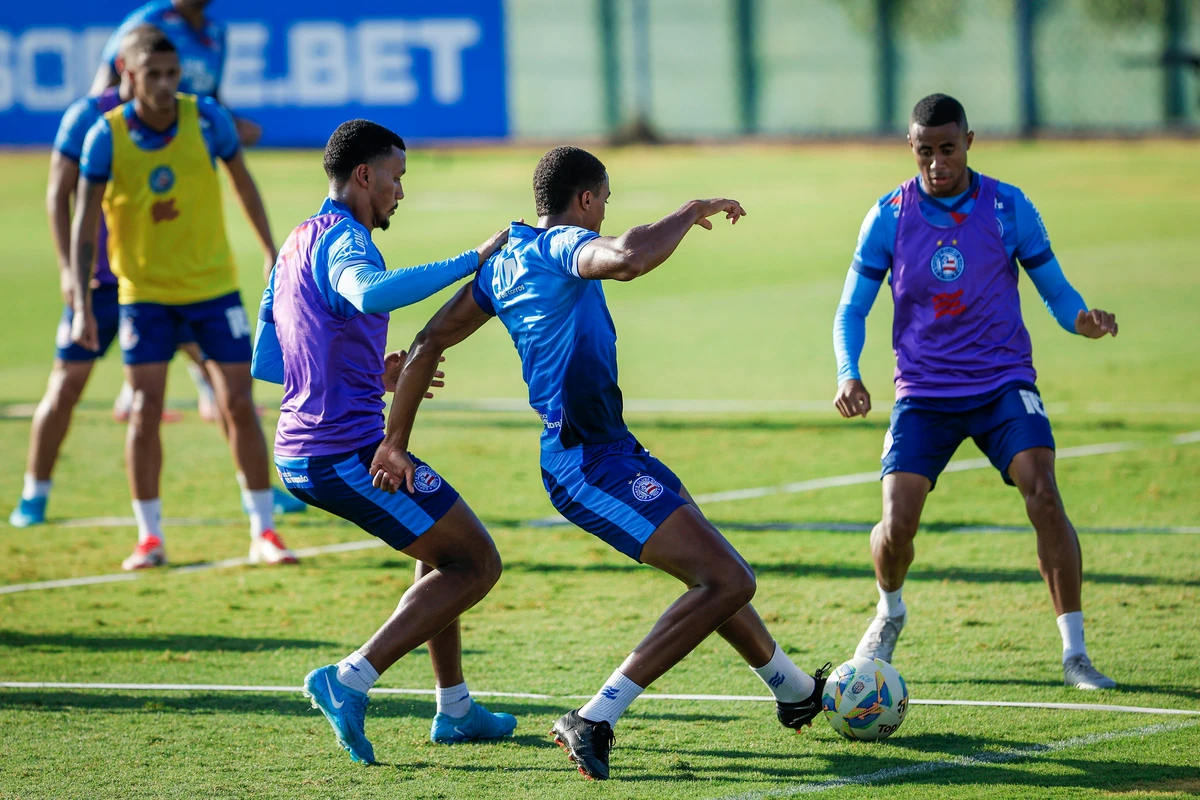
point(741, 494)
point(982, 759)
point(703, 698)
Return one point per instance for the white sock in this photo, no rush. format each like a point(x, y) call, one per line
point(611, 701)
point(1071, 627)
point(261, 505)
point(148, 514)
point(355, 672)
point(203, 387)
point(34, 488)
point(124, 401)
point(787, 682)
point(890, 603)
point(454, 700)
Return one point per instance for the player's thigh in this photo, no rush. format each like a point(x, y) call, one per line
point(690, 548)
point(904, 495)
point(457, 537)
point(149, 383)
point(231, 382)
point(1032, 471)
point(1014, 422)
point(921, 441)
point(221, 329)
point(68, 379)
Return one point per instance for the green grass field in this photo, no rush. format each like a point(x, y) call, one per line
point(741, 316)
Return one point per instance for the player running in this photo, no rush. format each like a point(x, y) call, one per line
point(150, 164)
point(545, 287)
point(952, 239)
point(322, 333)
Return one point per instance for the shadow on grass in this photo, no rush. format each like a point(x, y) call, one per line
point(179, 643)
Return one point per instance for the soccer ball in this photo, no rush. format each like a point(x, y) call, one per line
point(865, 698)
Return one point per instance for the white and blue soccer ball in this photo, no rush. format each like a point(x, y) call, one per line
point(865, 698)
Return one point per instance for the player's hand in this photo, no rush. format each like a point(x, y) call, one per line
point(494, 243)
point(392, 469)
point(394, 362)
point(83, 329)
point(248, 131)
point(732, 210)
point(852, 399)
point(1095, 323)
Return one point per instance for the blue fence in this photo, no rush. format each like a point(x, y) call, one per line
point(431, 70)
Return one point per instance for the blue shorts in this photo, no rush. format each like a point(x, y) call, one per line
point(925, 431)
point(152, 332)
point(341, 485)
point(107, 313)
point(616, 491)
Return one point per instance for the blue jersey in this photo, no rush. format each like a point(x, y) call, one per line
point(562, 330)
point(201, 53)
point(1020, 225)
point(220, 134)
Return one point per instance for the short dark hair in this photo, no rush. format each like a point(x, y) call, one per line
point(358, 141)
point(144, 40)
point(561, 174)
point(938, 109)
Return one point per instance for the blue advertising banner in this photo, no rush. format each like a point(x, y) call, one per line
point(429, 70)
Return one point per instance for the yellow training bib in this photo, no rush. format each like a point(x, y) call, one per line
point(166, 228)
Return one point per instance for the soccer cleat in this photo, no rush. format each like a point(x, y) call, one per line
point(587, 744)
point(270, 549)
point(799, 715)
point(28, 512)
point(149, 553)
point(477, 725)
point(345, 709)
point(1078, 673)
point(880, 639)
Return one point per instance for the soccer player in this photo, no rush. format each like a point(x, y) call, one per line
point(322, 333)
point(545, 286)
point(952, 239)
point(151, 164)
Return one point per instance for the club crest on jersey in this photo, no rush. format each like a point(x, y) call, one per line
point(426, 480)
point(646, 488)
point(161, 179)
point(947, 264)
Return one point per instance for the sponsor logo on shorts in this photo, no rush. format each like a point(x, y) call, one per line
point(646, 488)
point(947, 264)
point(300, 480)
point(127, 334)
point(426, 480)
point(162, 179)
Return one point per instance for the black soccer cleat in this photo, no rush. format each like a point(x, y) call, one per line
point(799, 715)
point(587, 744)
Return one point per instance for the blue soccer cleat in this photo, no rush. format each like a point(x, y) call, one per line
point(478, 724)
point(345, 709)
point(28, 512)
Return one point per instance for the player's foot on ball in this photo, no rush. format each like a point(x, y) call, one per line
point(587, 743)
point(28, 512)
point(880, 639)
point(1078, 673)
point(345, 709)
point(285, 503)
point(799, 715)
point(478, 724)
point(149, 553)
point(270, 549)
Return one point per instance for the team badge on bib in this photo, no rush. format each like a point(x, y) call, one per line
point(646, 488)
point(161, 179)
point(127, 334)
point(947, 264)
point(426, 480)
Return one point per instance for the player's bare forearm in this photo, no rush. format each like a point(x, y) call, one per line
point(84, 232)
point(64, 175)
point(639, 250)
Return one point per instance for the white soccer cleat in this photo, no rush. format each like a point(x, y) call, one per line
point(269, 549)
point(1078, 673)
point(148, 554)
point(880, 639)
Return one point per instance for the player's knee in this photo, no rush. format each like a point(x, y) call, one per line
point(146, 411)
point(737, 586)
point(899, 530)
point(488, 567)
point(64, 389)
point(1043, 503)
point(239, 408)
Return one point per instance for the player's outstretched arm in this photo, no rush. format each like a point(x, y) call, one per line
point(391, 467)
point(84, 232)
point(64, 176)
point(641, 249)
point(256, 212)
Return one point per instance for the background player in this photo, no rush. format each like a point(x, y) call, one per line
point(151, 163)
point(322, 333)
point(952, 239)
point(545, 287)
